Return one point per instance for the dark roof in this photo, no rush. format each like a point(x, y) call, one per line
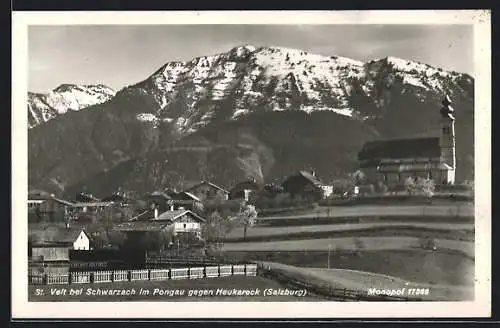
point(84, 197)
point(159, 194)
point(210, 184)
point(61, 235)
point(115, 198)
point(68, 235)
point(248, 184)
point(400, 148)
point(51, 244)
point(305, 175)
point(50, 197)
point(186, 194)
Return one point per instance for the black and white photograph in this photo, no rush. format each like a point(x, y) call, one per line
point(252, 158)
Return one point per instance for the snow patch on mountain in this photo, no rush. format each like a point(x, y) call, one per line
point(43, 107)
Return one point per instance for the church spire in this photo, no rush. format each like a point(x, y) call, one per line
point(446, 109)
point(447, 139)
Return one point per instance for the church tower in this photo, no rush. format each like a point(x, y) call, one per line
point(447, 139)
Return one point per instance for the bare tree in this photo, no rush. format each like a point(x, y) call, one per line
point(246, 217)
point(216, 227)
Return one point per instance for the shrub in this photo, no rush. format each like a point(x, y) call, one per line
point(427, 243)
point(420, 186)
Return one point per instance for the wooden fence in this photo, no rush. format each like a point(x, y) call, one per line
point(120, 275)
point(196, 273)
point(58, 279)
point(80, 277)
point(144, 274)
point(251, 269)
point(225, 270)
point(212, 272)
point(139, 275)
point(329, 292)
point(102, 276)
point(179, 273)
point(159, 274)
point(238, 270)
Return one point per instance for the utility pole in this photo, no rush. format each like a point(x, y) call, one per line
point(329, 249)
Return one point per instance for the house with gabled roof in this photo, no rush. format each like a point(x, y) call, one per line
point(207, 191)
point(243, 190)
point(154, 223)
point(48, 207)
point(56, 245)
point(158, 199)
point(306, 184)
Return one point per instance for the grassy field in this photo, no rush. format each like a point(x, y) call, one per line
point(436, 211)
point(349, 243)
point(169, 286)
point(458, 231)
point(280, 222)
point(418, 266)
point(362, 281)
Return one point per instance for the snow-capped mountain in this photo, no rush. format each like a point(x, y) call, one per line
point(279, 79)
point(252, 111)
point(43, 107)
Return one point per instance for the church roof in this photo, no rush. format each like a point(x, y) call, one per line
point(400, 148)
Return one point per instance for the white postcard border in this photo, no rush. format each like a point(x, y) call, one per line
point(481, 307)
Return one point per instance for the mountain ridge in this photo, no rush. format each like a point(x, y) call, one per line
point(247, 96)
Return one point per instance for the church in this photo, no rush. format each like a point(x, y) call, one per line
point(394, 161)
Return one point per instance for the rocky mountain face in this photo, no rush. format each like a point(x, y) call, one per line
point(43, 107)
point(263, 112)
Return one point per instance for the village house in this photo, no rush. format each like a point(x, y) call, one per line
point(86, 198)
point(118, 199)
point(150, 227)
point(56, 247)
point(159, 199)
point(207, 191)
point(244, 189)
point(91, 207)
point(306, 185)
point(183, 200)
point(48, 208)
point(392, 162)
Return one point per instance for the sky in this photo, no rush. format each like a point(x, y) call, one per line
point(121, 55)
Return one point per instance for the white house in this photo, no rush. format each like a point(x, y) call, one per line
point(82, 242)
point(182, 220)
point(178, 221)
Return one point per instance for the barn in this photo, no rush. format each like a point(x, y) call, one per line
point(56, 246)
point(306, 185)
